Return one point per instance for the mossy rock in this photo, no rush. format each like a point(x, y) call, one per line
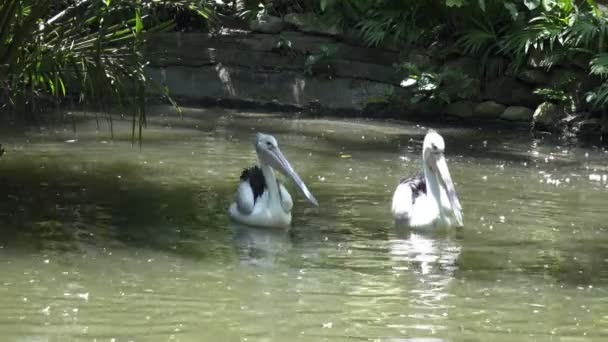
point(489, 109)
point(548, 116)
point(517, 113)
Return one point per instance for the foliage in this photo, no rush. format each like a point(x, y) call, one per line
point(90, 48)
point(553, 95)
point(321, 59)
point(402, 21)
point(436, 86)
point(542, 33)
point(249, 9)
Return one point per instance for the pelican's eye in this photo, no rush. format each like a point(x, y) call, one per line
point(269, 144)
point(434, 147)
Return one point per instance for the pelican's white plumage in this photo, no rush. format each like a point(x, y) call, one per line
point(260, 199)
point(428, 199)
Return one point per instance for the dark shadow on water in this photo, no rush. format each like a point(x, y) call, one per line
point(50, 205)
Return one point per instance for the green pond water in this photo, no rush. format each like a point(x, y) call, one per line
point(100, 241)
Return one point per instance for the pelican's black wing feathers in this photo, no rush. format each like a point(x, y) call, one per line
point(417, 183)
point(256, 180)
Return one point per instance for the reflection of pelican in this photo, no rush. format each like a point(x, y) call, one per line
point(431, 260)
point(424, 251)
point(261, 200)
point(429, 199)
point(260, 246)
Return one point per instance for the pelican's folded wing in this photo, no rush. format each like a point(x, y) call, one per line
point(402, 202)
point(286, 201)
point(244, 198)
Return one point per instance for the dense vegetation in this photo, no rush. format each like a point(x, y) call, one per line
point(91, 49)
point(504, 36)
point(51, 49)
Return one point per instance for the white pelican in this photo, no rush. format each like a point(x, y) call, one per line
point(260, 199)
point(429, 199)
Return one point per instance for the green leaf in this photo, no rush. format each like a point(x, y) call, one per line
point(139, 25)
point(63, 92)
point(323, 5)
point(549, 4)
point(482, 5)
point(455, 3)
point(532, 4)
point(599, 65)
point(107, 2)
point(512, 8)
point(52, 86)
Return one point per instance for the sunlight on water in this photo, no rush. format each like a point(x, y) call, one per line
point(100, 241)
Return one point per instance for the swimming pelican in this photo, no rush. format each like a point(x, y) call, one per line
point(260, 199)
point(429, 199)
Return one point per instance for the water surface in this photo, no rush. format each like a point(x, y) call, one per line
point(100, 241)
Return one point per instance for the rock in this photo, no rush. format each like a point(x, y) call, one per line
point(463, 109)
point(420, 58)
point(352, 37)
point(425, 109)
point(576, 83)
point(309, 22)
point(373, 72)
point(511, 92)
point(488, 109)
point(571, 119)
point(563, 78)
point(534, 77)
point(467, 65)
point(289, 88)
point(604, 123)
point(496, 67)
point(267, 24)
point(462, 88)
point(517, 113)
point(548, 116)
point(581, 60)
point(588, 129)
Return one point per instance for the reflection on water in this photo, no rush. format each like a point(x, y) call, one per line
point(101, 241)
point(260, 246)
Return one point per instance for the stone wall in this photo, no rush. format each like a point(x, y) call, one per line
point(286, 62)
point(253, 67)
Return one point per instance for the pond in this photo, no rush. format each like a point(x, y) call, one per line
point(102, 241)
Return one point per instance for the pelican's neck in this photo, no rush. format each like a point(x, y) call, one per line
point(271, 181)
point(432, 186)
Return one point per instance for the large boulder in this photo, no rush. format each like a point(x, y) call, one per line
point(309, 22)
point(266, 24)
point(512, 92)
point(517, 113)
point(575, 82)
point(463, 109)
point(548, 116)
point(589, 129)
point(488, 109)
point(533, 76)
point(467, 65)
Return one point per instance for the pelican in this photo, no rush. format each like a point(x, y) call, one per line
point(260, 199)
point(429, 199)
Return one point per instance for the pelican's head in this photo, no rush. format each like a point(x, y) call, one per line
point(433, 156)
point(269, 154)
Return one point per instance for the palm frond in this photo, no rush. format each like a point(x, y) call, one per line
point(599, 65)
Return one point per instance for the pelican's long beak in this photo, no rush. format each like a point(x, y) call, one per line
point(446, 179)
point(279, 162)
